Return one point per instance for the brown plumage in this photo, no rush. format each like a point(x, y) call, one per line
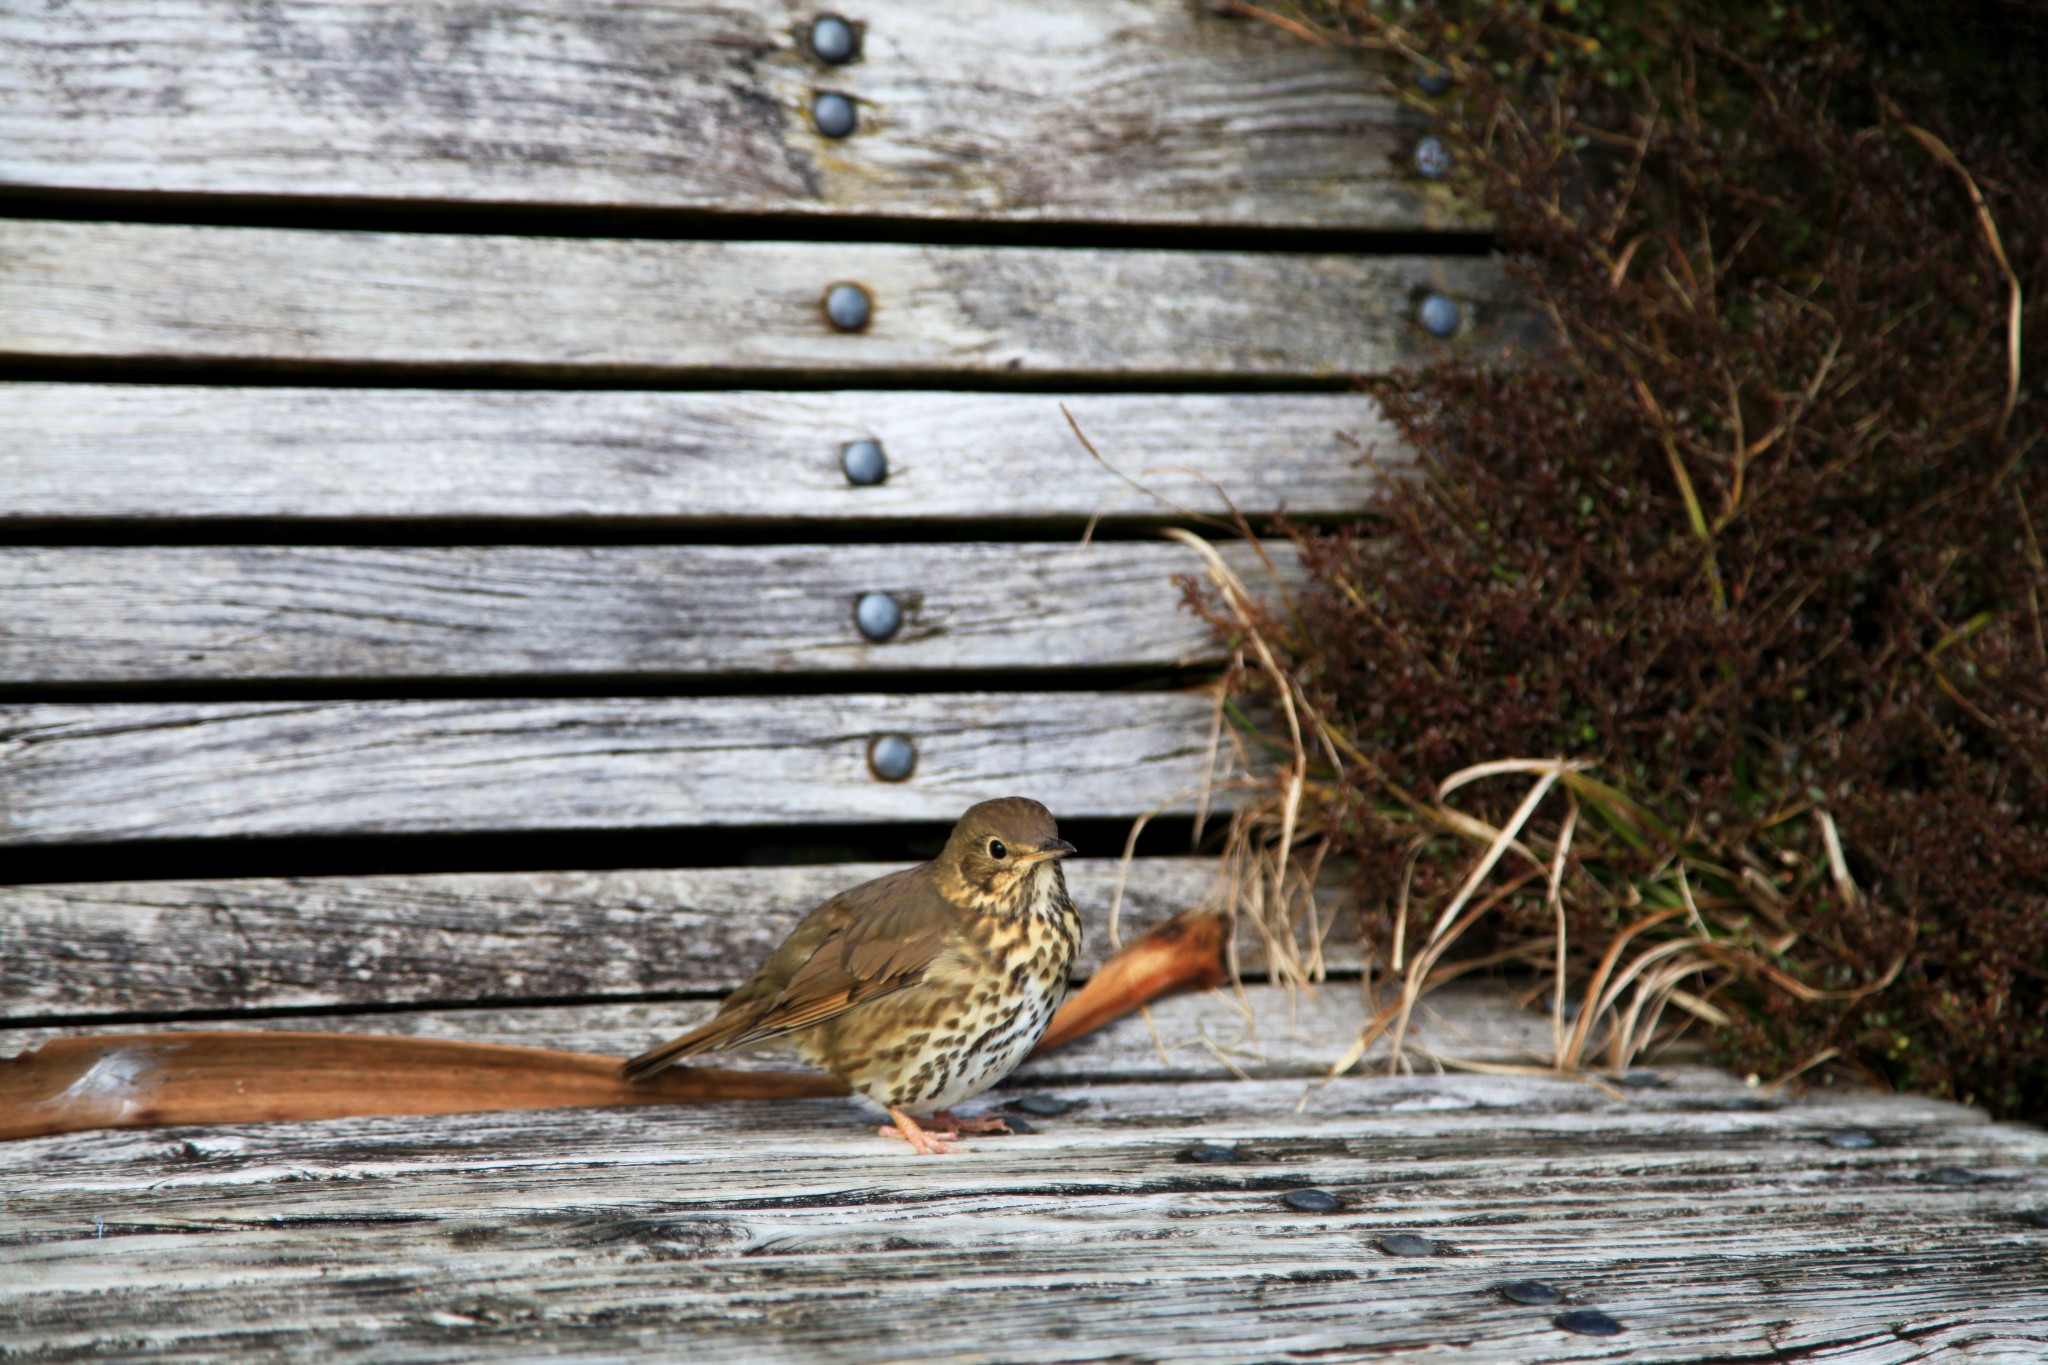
point(923, 988)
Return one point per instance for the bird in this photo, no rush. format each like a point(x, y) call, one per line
point(923, 988)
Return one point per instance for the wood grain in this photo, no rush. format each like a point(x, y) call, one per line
point(291, 943)
point(541, 306)
point(619, 1233)
point(72, 773)
point(1265, 1032)
point(166, 454)
point(313, 613)
point(1137, 111)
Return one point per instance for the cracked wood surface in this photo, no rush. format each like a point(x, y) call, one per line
point(259, 613)
point(94, 948)
point(1714, 1223)
point(1081, 111)
point(165, 454)
point(88, 773)
point(549, 307)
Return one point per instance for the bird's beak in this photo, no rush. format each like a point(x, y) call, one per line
point(1052, 848)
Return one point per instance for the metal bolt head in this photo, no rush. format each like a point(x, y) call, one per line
point(1407, 1244)
point(864, 462)
point(1311, 1201)
point(1432, 158)
point(1953, 1175)
point(1850, 1140)
point(1042, 1106)
point(891, 757)
point(1432, 79)
point(1588, 1322)
point(1641, 1080)
point(847, 307)
point(1210, 1154)
point(1532, 1292)
point(877, 615)
point(834, 113)
point(833, 40)
point(1439, 316)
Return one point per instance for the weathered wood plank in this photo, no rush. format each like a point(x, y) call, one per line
point(310, 613)
point(621, 1233)
point(154, 453)
point(270, 943)
point(1264, 1033)
point(71, 773)
point(1141, 111)
point(554, 306)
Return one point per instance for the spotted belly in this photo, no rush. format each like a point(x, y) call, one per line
point(930, 1054)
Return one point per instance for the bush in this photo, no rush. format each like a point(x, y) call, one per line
point(1759, 539)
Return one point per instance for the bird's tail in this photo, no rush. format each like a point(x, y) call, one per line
point(704, 1038)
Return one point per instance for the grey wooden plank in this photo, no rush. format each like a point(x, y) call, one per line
point(1715, 1225)
point(1139, 111)
point(87, 773)
point(152, 614)
point(298, 942)
point(170, 453)
point(554, 306)
point(1264, 1032)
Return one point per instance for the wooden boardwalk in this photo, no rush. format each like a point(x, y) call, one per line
point(434, 503)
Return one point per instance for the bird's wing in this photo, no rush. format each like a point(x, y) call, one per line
point(880, 938)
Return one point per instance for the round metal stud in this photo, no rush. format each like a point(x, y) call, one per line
point(1042, 1106)
point(833, 40)
point(1641, 1080)
point(1439, 316)
point(864, 462)
point(1432, 158)
point(1432, 79)
point(1311, 1201)
point(877, 615)
point(892, 757)
point(1953, 1175)
point(847, 307)
point(834, 113)
point(1588, 1322)
point(1850, 1140)
point(1210, 1154)
point(1532, 1292)
point(1407, 1244)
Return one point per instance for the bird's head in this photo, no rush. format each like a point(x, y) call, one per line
point(998, 848)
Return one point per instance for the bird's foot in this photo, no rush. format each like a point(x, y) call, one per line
point(980, 1123)
point(922, 1141)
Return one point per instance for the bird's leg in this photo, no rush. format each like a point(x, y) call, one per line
point(980, 1123)
point(921, 1142)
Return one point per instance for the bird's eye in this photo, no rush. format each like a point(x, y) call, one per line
point(996, 849)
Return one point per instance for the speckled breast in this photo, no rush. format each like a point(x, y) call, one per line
point(976, 1015)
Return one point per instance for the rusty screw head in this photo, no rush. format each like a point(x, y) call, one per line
point(877, 615)
point(1432, 158)
point(847, 307)
point(834, 114)
point(833, 40)
point(891, 757)
point(864, 462)
point(1439, 316)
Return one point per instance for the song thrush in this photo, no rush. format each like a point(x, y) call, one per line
point(923, 988)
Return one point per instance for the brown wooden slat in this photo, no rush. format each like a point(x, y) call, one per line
point(273, 943)
point(1093, 111)
point(153, 453)
point(247, 613)
point(553, 306)
point(71, 773)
